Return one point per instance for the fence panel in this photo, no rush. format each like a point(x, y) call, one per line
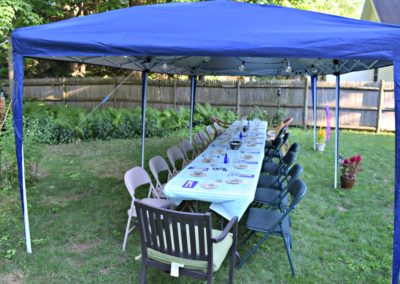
point(360, 101)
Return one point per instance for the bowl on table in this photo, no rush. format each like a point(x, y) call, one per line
point(235, 145)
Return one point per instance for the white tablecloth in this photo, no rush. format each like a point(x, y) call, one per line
point(226, 199)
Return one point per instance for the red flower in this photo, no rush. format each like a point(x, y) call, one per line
point(353, 159)
point(345, 162)
point(358, 158)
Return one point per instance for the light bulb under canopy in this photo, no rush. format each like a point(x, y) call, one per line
point(314, 70)
point(288, 68)
point(242, 67)
point(164, 66)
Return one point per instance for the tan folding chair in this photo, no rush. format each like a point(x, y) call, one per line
point(135, 178)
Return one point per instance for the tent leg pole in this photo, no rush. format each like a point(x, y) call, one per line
point(16, 76)
point(314, 98)
point(396, 233)
point(25, 209)
point(337, 110)
point(192, 104)
point(144, 98)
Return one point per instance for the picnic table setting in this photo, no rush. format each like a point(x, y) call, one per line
point(244, 173)
point(225, 177)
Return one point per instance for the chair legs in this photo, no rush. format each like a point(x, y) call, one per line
point(127, 231)
point(252, 251)
point(143, 273)
point(287, 241)
point(233, 255)
point(247, 237)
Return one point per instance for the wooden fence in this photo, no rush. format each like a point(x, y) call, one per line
point(366, 106)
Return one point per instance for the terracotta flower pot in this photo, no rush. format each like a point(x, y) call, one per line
point(346, 182)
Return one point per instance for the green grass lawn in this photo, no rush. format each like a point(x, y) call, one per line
point(78, 215)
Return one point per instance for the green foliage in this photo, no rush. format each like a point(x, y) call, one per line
point(257, 112)
point(338, 7)
point(205, 111)
point(8, 169)
point(55, 124)
point(13, 14)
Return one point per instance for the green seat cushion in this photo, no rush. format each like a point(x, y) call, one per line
point(220, 250)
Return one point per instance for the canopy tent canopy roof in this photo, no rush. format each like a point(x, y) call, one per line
point(216, 38)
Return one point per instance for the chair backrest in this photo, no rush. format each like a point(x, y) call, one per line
point(136, 177)
point(198, 142)
point(294, 172)
point(218, 129)
point(285, 138)
point(187, 150)
point(277, 142)
point(287, 161)
point(297, 189)
point(286, 178)
point(210, 132)
point(175, 154)
point(204, 138)
point(179, 234)
point(157, 165)
point(295, 147)
point(286, 122)
point(280, 130)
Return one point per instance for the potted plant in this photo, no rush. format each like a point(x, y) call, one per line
point(321, 140)
point(349, 169)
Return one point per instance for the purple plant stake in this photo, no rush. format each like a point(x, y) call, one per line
point(328, 123)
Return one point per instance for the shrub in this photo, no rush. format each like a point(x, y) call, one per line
point(55, 124)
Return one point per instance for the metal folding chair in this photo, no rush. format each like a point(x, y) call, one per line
point(272, 222)
point(188, 150)
point(175, 155)
point(157, 165)
point(135, 178)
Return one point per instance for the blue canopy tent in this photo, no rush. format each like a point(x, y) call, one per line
point(214, 38)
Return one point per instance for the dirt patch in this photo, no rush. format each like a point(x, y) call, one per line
point(15, 277)
point(341, 209)
point(111, 168)
point(63, 200)
point(38, 171)
point(82, 247)
point(105, 271)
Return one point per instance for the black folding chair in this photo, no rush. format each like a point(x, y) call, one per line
point(280, 168)
point(184, 243)
point(276, 196)
point(272, 222)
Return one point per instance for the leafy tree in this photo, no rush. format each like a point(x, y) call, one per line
point(13, 14)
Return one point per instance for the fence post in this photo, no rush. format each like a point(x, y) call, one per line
point(174, 94)
point(238, 97)
point(64, 89)
point(380, 105)
point(306, 92)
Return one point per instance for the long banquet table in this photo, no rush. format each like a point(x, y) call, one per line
point(231, 186)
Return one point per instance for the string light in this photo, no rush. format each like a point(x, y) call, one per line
point(314, 69)
point(164, 66)
point(242, 67)
point(288, 68)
